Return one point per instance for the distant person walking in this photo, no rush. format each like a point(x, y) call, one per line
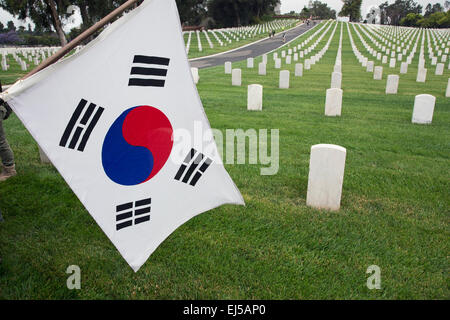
point(6, 154)
point(284, 37)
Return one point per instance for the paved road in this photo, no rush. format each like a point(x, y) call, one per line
point(253, 50)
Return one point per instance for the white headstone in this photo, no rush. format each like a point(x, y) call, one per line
point(433, 61)
point(447, 93)
point(250, 63)
point(337, 68)
point(392, 63)
point(236, 77)
point(195, 75)
point(284, 79)
point(378, 73)
point(298, 70)
point(423, 109)
point(228, 67)
point(333, 102)
point(392, 84)
point(277, 63)
point(439, 69)
point(404, 68)
point(364, 62)
point(326, 176)
point(255, 97)
point(288, 59)
point(307, 64)
point(421, 75)
point(336, 80)
point(262, 69)
point(264, 58)
point(421, 63)
point(370, 66)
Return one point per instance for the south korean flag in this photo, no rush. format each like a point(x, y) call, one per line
point(106, 118)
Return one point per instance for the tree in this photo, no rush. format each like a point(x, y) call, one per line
point(430, 9)
point(44, 13)
point(411, 20)
point(352, 9)
point(321, 10)
point(305, 13)
point(228, 13)
point(383, 15)
point(373, 15)
point(10, 26)
point(2, 27)
point(192, 12)
point(436, 20)
point(93, 11)
point(394, 13)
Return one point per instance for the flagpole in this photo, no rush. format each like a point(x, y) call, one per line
point(75, 42)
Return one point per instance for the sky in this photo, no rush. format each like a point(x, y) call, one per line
point(297, 5)
point(286, 6)
point(74, 20)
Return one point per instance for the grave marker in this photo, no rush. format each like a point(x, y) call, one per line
point(392, 84)
point(284, 79)
point(255, 97)
point(326, 176)
point(423, 109)
point(333, 102)
point(236, 77)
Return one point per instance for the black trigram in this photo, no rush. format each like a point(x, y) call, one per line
point(137, 212)
point(80, 125)
point(148, 71)
point(196, 164)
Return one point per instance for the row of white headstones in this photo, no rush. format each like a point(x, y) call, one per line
point(237, 73)
point(327, 162)
point(404, 65)
point(228, 35)
point(424, 103)
point(33, 55)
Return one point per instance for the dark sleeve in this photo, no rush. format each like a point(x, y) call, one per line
point(8, 109)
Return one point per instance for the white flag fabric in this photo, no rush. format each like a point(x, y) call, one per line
point(106, 117)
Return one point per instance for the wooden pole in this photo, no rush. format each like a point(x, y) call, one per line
point(75, 42)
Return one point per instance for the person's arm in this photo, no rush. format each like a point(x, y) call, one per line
point(5, 105)
point(8, 109)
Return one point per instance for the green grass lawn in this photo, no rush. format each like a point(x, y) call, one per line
point(394, 210)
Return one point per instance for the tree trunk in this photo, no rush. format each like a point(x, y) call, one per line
point(57, 22)
point(236, 10)
point(85, 15)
